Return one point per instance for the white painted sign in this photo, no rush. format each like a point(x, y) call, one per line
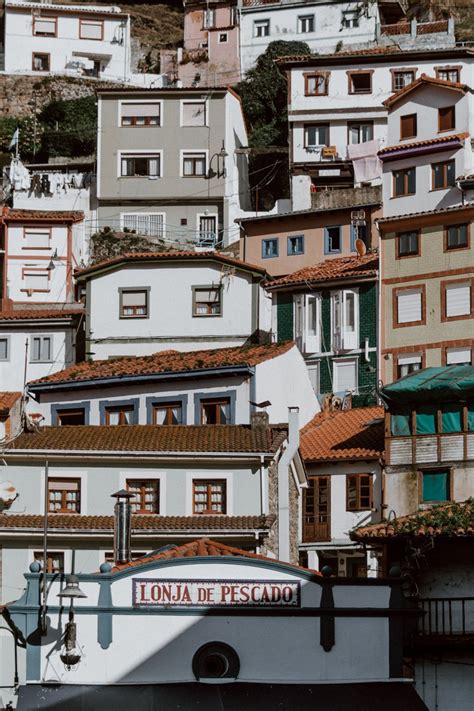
point(328, 172)
point(215, 593)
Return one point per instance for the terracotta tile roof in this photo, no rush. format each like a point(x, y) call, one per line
point(440, 210)
point(145, 523)
point(167, 362)
point(451, 520)
point(203, 547)
point(21, 314)
point(42, 215)
point(169, 256)
point(376, 52)
point(7, 400)
point(427, 142)
point(153, 439)
point(424, 80)
point(344, 435)
point(331, 269)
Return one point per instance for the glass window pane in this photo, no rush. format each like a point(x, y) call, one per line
point(436, 486)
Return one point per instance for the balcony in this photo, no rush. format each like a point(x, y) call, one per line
point(445, 622)
point(316, 528)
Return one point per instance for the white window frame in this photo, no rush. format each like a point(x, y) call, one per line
point(131, 153)
point(210, 214)
point(37, 230)
point(193, 101)
point(139, 101)
point(208, 18)
point(68, 474)
point(211, 474)
point(195, 152)
point(7, 339)
point(307, 343)
point(349, 16)
point(345, 340)
point(90, 21)
point(48, 18)
point(335, 363)
point(301, 22)
point(154, 474)
point(315, 367)
point(459, 351)
point(35, 271)
point(41, 335)
point(144, 214)
point(222, 34)
point(410, 359)
point(257, 24)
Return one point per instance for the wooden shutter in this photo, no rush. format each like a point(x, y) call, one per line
point(408, 126)
point(409, 306)
point(446, 118)
point(458, 300)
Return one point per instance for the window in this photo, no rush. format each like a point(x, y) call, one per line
point(194, 113)
point(207, 230)
point(136, 114)
point(207, 301)
point(404, 182)
point(168, 413)
point(306, 24)
point(269, 248)
point(134, 303)
point(408, 364)
point(443, 175)
point(350, 19)
point(40, 62)
point(409, 306)
point(45, 26)
point(435, 486)
point(345, 376)
point(91, 29)
point(317, 509)
point(208, 18)
point(458, 356)
point(307, 320)
point(146, 497)
point(37, 237)
point(457, 299)
point(359, 492)
point(408, 127)
point(261, 28)
point(316, 135)
point(140, 165)
point(54, 561)
point(359, 232)
point(4, 348)
point(457, 237)
point(222, 38)
point(313, 372)
point(316, 84)
point(408, 244)
point(345, 319)
point(41, 349)
point(120, 415)
point(144, 224)
point(64, 496)
point(446, 118)
point(215, 411)
point(209, 497)
point(332, 239)
point(448, 74)
point(71, 416)
point(401, 79)
point(296, 245)
point(360, 132)
point(35, 280)
point(194, 165)
point(360, 82)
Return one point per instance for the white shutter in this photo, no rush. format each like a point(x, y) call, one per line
point(409, 360)
point(298, 302)
point(458, 300)
point(312, 323)
point(458, 355)
point(336, 315)
point(350, 315)
point(409, 306)
point(345, 375)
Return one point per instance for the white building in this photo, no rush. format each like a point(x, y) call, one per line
point(84, 40)
point(430, 124)
point(336, 105)
point(140, 303)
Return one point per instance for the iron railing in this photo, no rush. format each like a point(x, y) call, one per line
point(446, 616)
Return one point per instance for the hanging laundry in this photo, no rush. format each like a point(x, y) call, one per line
point(45, 184)
point(364, 157)
point(19, 175)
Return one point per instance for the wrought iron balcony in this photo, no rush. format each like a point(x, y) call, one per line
point(445, 620)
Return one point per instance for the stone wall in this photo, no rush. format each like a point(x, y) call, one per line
point(270, 546)
point(346, 197)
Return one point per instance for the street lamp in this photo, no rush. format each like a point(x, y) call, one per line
point(221, 171)
point(71, 655)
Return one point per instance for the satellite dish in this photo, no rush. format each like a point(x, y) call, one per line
point(361, 249)
point(8, 494)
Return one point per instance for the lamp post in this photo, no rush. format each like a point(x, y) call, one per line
point(221, 171)
point(71, 655)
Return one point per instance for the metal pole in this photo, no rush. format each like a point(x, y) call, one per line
point(45, 551)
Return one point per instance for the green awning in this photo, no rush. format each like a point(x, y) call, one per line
point(453, 383)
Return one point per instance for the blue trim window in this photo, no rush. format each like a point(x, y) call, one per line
point(295, 245)
point(119, 412)
point(169, 410)
point(269, 248)
point(215, 408)
point(333, 239)
point(76, 413)
point(363, 232)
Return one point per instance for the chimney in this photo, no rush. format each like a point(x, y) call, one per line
point(122, 526)
point(259, 419)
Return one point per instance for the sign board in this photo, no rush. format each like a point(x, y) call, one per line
point(155, 592)
point(327, 172)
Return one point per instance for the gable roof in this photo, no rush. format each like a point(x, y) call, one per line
point(344, 435)
point(373, 54)
point(7, 400)
point(446, 520)
point(423, 145)
point(164, 257)
point(346, 268)
point(424, 80)
point(163, 363)
point(150, 439)
point(29, 314)
point(16, 215)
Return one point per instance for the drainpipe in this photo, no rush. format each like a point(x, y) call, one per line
point(286, 458)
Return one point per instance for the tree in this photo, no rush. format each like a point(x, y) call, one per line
point(70, 127)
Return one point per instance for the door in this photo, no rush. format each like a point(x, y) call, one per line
point(317, 509)
point(207, 236)
point(312, 324)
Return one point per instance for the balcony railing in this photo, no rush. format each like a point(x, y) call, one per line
point(316, 528)
point(446, 617)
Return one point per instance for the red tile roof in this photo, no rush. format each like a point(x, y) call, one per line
point(375, 52)
point(168, 362)
point(344, 435)
point(427, 142)
point(42, 215)
point(145, 523)
point(424, 80)
point(169, 256)
point(152, 439)
point(203, 547)
point(440, 210)
point(29, 314)
point(346, 268)
point(450, 520)
point(7, 400)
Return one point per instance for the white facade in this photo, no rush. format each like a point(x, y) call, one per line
point(320, 25)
